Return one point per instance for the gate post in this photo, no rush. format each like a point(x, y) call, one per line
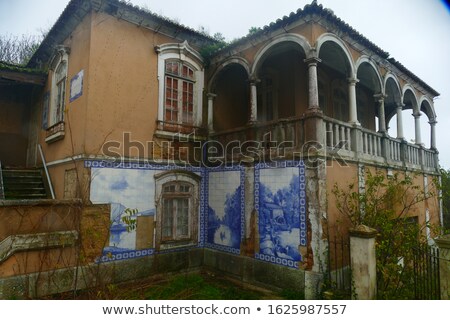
point(363, 263)
point(444, 265)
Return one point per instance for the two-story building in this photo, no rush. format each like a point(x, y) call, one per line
point(222, 156)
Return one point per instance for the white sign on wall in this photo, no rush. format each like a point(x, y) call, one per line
point(76, 86)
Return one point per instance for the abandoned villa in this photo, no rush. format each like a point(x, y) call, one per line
point(138, 146)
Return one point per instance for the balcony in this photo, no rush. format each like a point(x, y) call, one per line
point(55, 132)
point(292, 136)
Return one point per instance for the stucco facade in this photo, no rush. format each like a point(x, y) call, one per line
point(250, 138)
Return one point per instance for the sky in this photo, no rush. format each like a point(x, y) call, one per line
point(414, 32)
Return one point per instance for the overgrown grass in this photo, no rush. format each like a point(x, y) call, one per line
point(196, 287)
point(179, 287)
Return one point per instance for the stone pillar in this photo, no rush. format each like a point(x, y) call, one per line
point(433, 134)
point(363, 262)
point(353, 113)
point(418, 137)
point(313, 87)
point(400, 134)
point(444, 265)
point(381, 116)
point(253, 101)
point(211, 97)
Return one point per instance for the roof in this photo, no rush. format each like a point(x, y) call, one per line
point(318, 10)
point(76, 10)
point(309, 10)
point(404, 70)
point(12, 74)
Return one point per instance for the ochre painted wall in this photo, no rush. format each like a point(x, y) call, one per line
point(75, 112)
point(344, 176)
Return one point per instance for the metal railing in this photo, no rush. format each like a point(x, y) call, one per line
point(2, 190)
point(47, 175)
point(56, 128)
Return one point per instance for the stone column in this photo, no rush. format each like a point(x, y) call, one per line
point(363, 263)
point(418, 136)
point(353, 113)
point(211, 97)
point(444, 265)
point(313, 87)
point(399, 109)
point(381, 116)
point(433, 134)
point(253, 101)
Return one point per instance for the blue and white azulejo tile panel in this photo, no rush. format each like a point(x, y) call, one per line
point(225, 223)
point(280, 201)
point(130, 186)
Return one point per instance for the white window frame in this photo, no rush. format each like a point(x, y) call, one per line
point(184, 53)
point(177, 177)
point(174, 197)
point(181, 80)
point(61, 57)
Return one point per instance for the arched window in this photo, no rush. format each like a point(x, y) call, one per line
point(177, 209)
point(179, 92)
point(60, 92)
point(53, 114)
point(181, 80)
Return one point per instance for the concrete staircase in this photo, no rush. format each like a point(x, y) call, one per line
point(20, 184)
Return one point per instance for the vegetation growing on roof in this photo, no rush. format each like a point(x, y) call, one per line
point(209, 50)
point(18, 68)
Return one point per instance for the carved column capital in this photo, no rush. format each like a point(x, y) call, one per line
point(312, 61)
point(211, 96)
point(379, 97)
point(352, 81)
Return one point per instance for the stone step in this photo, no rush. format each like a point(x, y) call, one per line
point(23, 184)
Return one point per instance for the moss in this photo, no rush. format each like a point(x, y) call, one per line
point(18, 68)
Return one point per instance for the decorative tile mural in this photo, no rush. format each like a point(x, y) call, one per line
point(130, 186)
point(281, 205)
point(225, 194)
point(279, 201)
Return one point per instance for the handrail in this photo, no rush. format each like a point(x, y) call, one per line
point(27, 242)
point(46, 172)
point(2, 190)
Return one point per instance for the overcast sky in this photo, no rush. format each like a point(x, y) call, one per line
point(415, 32)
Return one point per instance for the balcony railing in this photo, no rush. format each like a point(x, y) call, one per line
point(394, 147)
point(352, 142)
point(55, 132)
point(371, 143)
point(272, 135)
point(338, 134)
